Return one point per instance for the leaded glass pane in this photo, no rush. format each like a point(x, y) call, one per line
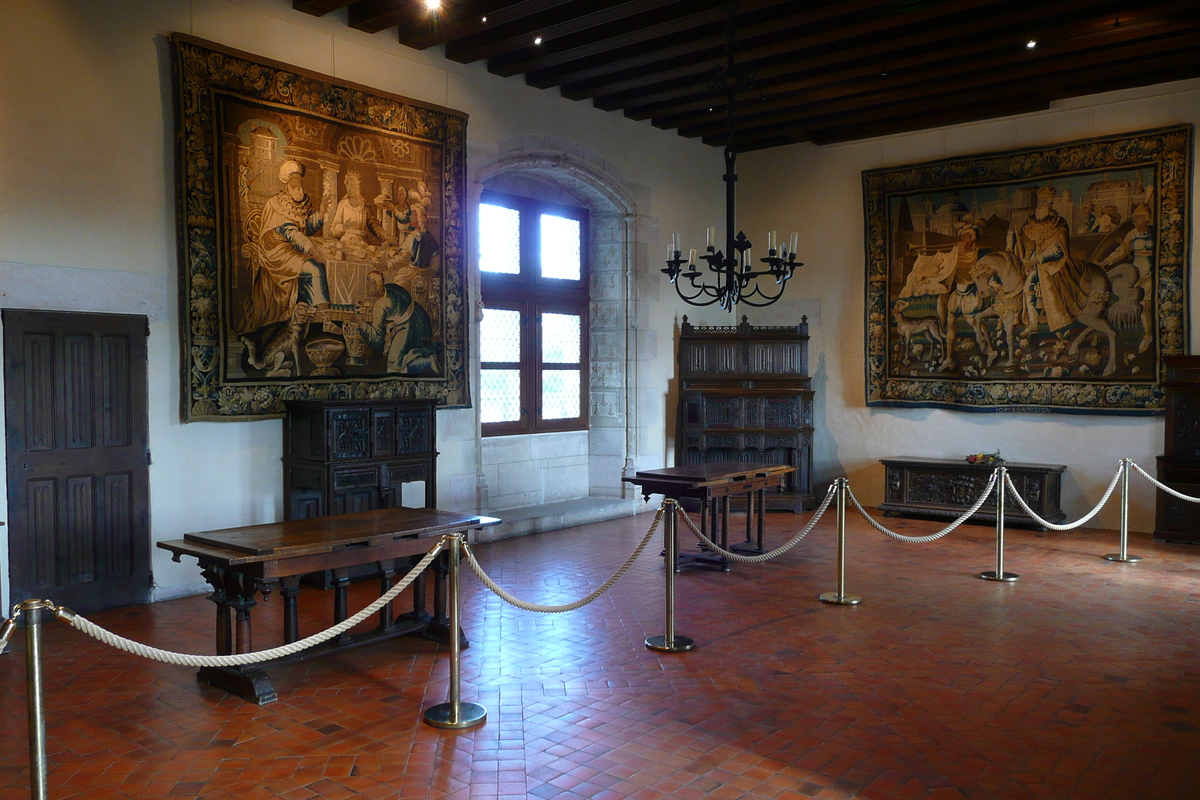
point(560, 338)
point(499, 395)
point(499, 239)
point(560, 247)
point(500, 335)
point(560, 394)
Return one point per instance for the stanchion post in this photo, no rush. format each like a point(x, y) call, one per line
point(840, 598)
point(1124, 555)
point(670, 642)
point(455, 714)
point(999, 574)
point(32, 609)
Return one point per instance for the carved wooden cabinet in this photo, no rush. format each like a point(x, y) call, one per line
point(346, 456)
point(745, 395)
point(1178, 520)
point(946, 488)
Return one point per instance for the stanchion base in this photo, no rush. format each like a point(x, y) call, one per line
point(469, 715)
point(681, 644)
point(1007, 577)
point(1128, 559)
point(835, 599)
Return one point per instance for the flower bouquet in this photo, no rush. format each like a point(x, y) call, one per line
point(985, 459)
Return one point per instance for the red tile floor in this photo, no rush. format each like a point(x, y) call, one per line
point(1082, 680)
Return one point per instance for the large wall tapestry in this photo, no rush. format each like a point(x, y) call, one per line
point(1040, 280)
point(321, 238)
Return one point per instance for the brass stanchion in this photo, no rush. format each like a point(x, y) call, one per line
point(840, 598)
point(32, 609)
point(1124, 555)
point(999, 574)
point(455, 714)
point(670, 643)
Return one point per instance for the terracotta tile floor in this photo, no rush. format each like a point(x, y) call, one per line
point(1082, 680)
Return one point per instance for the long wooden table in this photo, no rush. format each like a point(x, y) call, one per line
point(714, 484)
point(242, 563)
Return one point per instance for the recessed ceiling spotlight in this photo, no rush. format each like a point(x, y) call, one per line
point(1032, 43)
point(483, 20)
point(537, 40)
point(432, 5)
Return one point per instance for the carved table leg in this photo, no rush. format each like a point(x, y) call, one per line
point(753, 512)
point(419, 615)
point(387, 573)
point(762, 519)
point(216, 578)
point(724, 540)
point(249, 682)
point(289, 591)
point(341, 601)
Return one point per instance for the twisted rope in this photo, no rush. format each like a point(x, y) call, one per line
point(238, 659)
point(758, 559)
point(933, 536)
point(1163, 486)
point(543, 609)
point(1012, 490)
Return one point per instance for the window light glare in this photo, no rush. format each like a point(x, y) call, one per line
point(1032, 43)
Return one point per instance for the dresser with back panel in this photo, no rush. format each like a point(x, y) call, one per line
point(745, 395)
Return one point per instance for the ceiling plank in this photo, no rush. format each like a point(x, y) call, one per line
point(462, 19)
point(374, 16)
point(499, 21)
point(319, 8)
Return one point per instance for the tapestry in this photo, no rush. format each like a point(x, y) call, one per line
point(321, 239)
point(1051, 279)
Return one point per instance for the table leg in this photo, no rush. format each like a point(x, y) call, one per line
point(762, 519)
point(215, 576)
point(249, 682)
point(387, 573)
point(749, 513)
point(341, 600)
point(724, 541)
point(289, 590)
point(420, 614)
point(439, 626)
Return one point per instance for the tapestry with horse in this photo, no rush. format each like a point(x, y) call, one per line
point(1052, 279)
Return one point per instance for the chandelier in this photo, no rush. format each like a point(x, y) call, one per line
point(730, 275)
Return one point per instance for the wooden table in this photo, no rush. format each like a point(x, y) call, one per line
point(240, 563)
point(713, 485)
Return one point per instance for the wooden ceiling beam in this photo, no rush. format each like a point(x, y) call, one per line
point(373, 16)
point(515, 21)
point(1003, 55)
point(780, 39)
point(319, 8)
point(463, 18)
point(930, 46)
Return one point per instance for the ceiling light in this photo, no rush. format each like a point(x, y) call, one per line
point(1032, 43)
point(483, 20)
point(432, 5)
point(537, 40)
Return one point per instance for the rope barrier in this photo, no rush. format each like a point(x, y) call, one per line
point(1163, 486)
point(577, 604)
point(239, 659)
point(1012, 490)
point(933, 536)
point(762, 557)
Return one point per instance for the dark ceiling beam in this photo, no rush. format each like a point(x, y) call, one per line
point(935, 44)
point(920, 101)
point(374, 16)
point(522, 16)
point(1000, 55)
point(319, 8)
point(463, 19)
point(572, 25)
point(540, 65)
point(778, 39)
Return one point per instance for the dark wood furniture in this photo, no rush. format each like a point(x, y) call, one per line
point(345, 456)
point(745, 395)
point(242, 563)
point(948, 487)
point(714, 485)
point(1178, 520)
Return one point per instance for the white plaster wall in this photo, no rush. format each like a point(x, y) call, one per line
point(818, 191)
point(87, 208)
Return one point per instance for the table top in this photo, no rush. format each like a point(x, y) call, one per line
point(962, 462)
point(326, 534)
point(712, 473)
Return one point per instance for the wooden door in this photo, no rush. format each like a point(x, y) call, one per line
point(76, 433)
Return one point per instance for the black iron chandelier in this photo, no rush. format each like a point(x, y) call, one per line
point(731, 277)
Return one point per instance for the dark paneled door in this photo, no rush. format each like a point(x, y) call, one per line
point(76, 434)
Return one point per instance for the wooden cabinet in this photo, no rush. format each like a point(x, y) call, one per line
point(346, 456)
point(746, 396)
point(946, 488)
point(1178, 520)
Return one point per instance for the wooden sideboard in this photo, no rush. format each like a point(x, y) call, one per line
point(340, 457)
point(1178, 520)
point(746, 396)
point(948, 487)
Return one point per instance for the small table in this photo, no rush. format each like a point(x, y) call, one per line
point(713, 485)
point(947, 487)
point(240, 563)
